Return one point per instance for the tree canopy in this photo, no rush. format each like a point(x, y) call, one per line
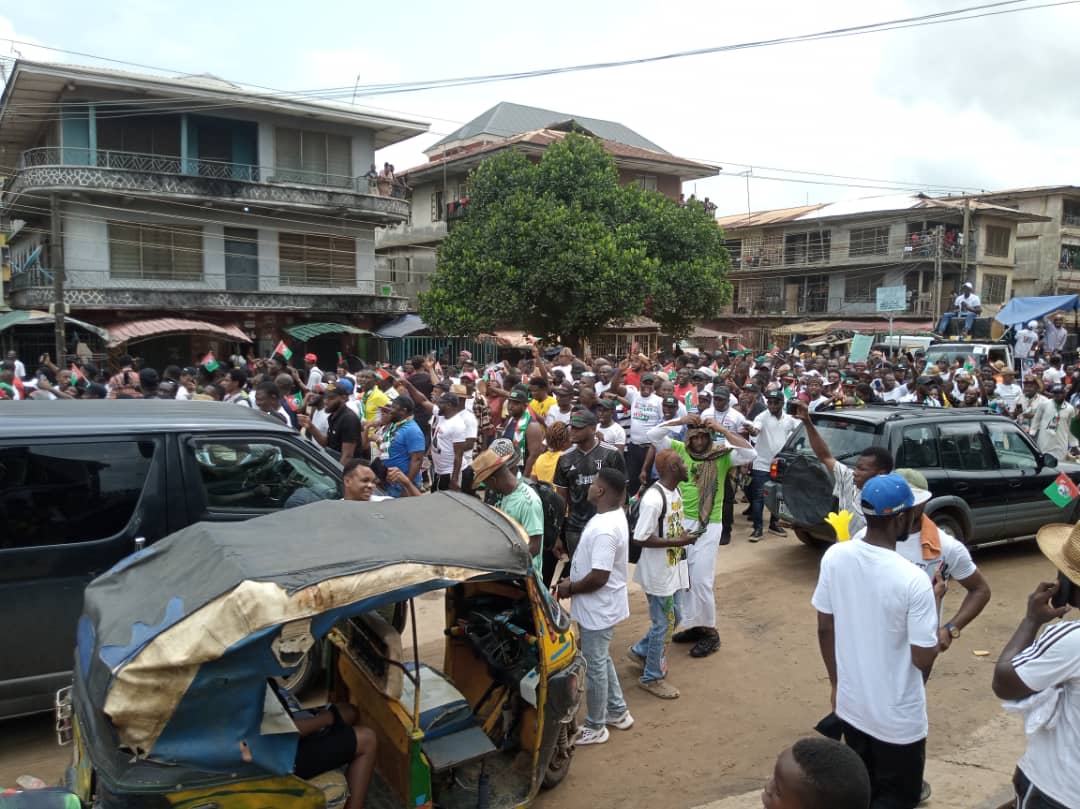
point(559, 248)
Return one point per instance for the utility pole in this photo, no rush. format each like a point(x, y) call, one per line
point(939, 309)
point(965, 245)
point(56, 262)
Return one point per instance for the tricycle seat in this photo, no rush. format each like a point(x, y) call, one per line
point(443, 708)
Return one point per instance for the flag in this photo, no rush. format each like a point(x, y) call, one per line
point(283, 350)
point(1062, 491)
point(209, 362)
point(969, 363)
point(773, 348)
point(382, 373)
point(340, 360)
point(77, 374)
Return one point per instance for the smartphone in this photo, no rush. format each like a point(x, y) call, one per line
point(792, 407)
point(1064, 593)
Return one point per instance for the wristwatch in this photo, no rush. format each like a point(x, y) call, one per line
point(954, 630)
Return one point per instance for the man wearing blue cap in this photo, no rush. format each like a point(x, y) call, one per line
point(878, 633)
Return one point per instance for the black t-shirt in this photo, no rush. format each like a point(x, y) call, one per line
point(421, 380)
point(344, 428)
point(575, 471)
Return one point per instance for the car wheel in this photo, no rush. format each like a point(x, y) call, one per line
point(305, 673)
point(807, 538)
point(949, 522)
point(561, 756)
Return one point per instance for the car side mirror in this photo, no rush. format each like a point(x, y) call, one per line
point(1048, 460)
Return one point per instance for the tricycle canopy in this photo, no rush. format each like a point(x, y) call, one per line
point(176, 642)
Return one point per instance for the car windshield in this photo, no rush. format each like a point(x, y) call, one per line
point(845, 438)
point(959, 353)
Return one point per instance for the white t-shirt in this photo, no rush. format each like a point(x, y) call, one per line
point(972, 301)
point(320, 419)
point(469, 418)
point(182, 394)
point(444, 434)
point(824, 401)
point(645, 413)
point(554, 414)
point(731, 419)
point(1052, 758)
point(1008, 393)
point(315, 377)
point(1053, 376)
point(881, 606)
point(239, 398)
point(849, 496)
point(567, 371)
point(773, 433)
point(661, 571)
point(1025, 342)
point(604, 545)
point(613, 434)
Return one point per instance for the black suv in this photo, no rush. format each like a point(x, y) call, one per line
point(986, 475)
point(83, 484)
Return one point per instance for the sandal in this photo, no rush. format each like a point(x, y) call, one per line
point(660, 688)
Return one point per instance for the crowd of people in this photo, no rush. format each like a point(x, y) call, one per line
point(608, 461)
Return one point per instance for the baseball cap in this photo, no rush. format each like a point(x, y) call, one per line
point(311, 357)
point(449, 399)
point(920, 489)
point(968, 285)
point(583, 418)
point(345, 384)
point(775, 394)
point(520, 393)
point(189, 371)
point(671, 401)
point(720, 392)
point(607, 404)
point(340, 387)
point(648, 378)
point(886, 495)
point(750, 387)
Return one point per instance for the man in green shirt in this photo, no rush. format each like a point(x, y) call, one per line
point(496, 468)
point(709, 451)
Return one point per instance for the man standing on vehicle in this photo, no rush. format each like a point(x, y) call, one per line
point(1026, 347)
point(575, 472)
point(772, 430)
point(878, 633)
point(967, 305)
point(597, 589)
point(848, 482)
point(1055, 336)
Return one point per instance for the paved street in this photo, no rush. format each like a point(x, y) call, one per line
point(740, 707)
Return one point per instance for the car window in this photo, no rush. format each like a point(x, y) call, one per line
point(845, 439)
point(65, 493)
point(1012, 451)
point(918, 447)
point(263, 475)
point(964, 447)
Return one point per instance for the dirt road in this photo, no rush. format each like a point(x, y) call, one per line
point(739, 707)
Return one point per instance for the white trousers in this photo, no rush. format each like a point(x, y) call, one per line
point(697, 606)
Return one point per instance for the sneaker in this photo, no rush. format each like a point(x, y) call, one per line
point(635, 658)
point(624, 722)
point(709, 644)
point(776, 529)
point(924, 796)
point(691, 635)
point(590, 736)
point(660, 688)
point(756, 535)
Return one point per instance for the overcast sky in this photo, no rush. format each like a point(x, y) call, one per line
point(987, 103)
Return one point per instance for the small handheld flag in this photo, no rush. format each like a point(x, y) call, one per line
point(209, 362)
point(77, 376)
point(969, 363)
point(283, 350)
point(1062, 491)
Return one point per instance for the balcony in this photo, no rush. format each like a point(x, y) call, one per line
point(52, 168)
point(773, 254)
point(455, 212)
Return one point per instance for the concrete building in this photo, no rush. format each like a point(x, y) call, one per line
point(439, 188)
point(827, 261)
point(1047, 251)
point(162, 198)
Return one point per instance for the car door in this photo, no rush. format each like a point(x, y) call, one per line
point(1027, 478)
point(236, 477)
point(919, 450)
point(70, 508)
point(973, 473)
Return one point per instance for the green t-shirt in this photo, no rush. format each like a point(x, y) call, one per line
point(689, 490)
point(523, 504)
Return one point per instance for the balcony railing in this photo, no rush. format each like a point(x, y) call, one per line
point(914, 247)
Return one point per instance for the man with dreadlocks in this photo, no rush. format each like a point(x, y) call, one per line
point(710, 450)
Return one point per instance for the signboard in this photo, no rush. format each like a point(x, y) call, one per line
point(892, 299)
point(860, 347)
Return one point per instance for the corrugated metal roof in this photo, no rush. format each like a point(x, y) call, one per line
point(136, 330)
point(35, 317)
point(777, 216)
point(402, 327)
point(306, 331)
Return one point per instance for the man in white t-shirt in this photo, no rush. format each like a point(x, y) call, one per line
point(1040, 675)
point(646, 411)
point(597, 587)
point(449, 444)
point(967, 306)
point(1027, 338)
point(564, 403)
point(609, 430)
point(878, 633)
point(771, 429)
point(662, 570)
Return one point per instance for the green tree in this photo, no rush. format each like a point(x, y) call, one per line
point(560, 249)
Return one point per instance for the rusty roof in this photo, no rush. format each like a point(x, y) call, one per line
point(776, 216)
point(135, 330)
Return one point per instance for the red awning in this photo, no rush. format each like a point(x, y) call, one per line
point(135, 331)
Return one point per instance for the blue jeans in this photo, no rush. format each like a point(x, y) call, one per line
point(947, 318)
point(757, 499)
point(664, 614)
point(603, 694)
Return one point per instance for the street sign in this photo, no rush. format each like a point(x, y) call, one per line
point(892, 299)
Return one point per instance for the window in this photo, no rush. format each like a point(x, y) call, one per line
point(734, 248)
point(845, 439)
point(437, 210)
point(398, 270)
point(315, 158)
point(259, 475)
point(863, 288)
point(120, 130)
point(869, 242)
point(993, 288)
point(1070, 212)
point(316, 261)
point(60, 494)
point(647, 182)
point(1012, 451)
point(155, 252)
point(997, 241)
point(964, 448)
point(807, 248)
point(1070, 257)
point(918, 448)
point(753, 297)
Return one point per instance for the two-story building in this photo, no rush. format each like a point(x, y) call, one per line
point(191, 199)
point(439, 188)
point(1048, 250)
point(826, 261)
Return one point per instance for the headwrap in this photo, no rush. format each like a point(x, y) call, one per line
point(706, 476)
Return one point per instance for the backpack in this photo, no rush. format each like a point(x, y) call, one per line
point(554, 510)
point(632, 518)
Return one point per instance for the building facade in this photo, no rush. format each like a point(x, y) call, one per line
point(191, 197)
point(439, 188)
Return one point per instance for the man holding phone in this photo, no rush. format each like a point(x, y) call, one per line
point(1041, 674)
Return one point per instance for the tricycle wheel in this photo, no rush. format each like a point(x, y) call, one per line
point(304, 674)
point(561, 756)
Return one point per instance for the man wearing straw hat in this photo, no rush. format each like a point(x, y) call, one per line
point(1040, 674)
point(496, 468)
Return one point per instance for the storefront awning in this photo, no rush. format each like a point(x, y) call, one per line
point(138, 330)
point(35, 317)
point(402, 327)
point(306, 331)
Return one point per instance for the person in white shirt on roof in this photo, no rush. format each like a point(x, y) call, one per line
point(1054, 375)
point(878, 633)
point(1026, 344)
point(1055, 336)
point(1040, 676)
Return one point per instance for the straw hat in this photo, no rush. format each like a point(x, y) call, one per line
point(1061, 545)
point(500, 454)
